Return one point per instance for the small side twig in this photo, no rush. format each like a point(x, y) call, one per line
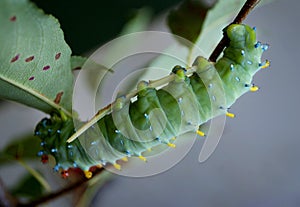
point(247, 7)
point(6, 200)
point(60, 192)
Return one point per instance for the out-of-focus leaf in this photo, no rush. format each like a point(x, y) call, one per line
point(34, 58)
point(96, 70)
point(139, 22)
point(95, 186)
point(87, 24)
point(28, 187)
point(187, 20)
point(25, 148)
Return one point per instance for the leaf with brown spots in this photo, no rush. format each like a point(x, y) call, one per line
point(35, 66)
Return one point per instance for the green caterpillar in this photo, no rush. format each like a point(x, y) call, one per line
point(159, 115)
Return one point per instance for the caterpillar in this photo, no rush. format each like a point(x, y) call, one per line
point(157, 116)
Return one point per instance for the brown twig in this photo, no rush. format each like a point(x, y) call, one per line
point(247, 7)
point(6, 200)
point(60, 192)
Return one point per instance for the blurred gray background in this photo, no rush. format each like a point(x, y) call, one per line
point(257, 161)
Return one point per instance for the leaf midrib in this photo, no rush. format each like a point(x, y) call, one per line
point(36, 94)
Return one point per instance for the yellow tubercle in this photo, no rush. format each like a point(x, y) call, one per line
point(88, 174)
point(200, 133)
point(267, 64)
point(125, 159)
point(142, 85)
point(99, 166)
point(119, 103)
point(171, 145)
point(231, 115)
point(173, 138)
point(149, 149)
point(63, 115)
point(180, 75)
point(117, 166)
point(254, 88)
point(143, 158)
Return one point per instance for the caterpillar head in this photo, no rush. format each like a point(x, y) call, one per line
point(54, 132)
point(241, 35)
point(244, 49)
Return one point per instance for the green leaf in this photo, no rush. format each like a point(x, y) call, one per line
point(187, 20)
point(34, 58)
point(28, 187)
point(138, 23)
point(96, 184)
point(25, 148)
